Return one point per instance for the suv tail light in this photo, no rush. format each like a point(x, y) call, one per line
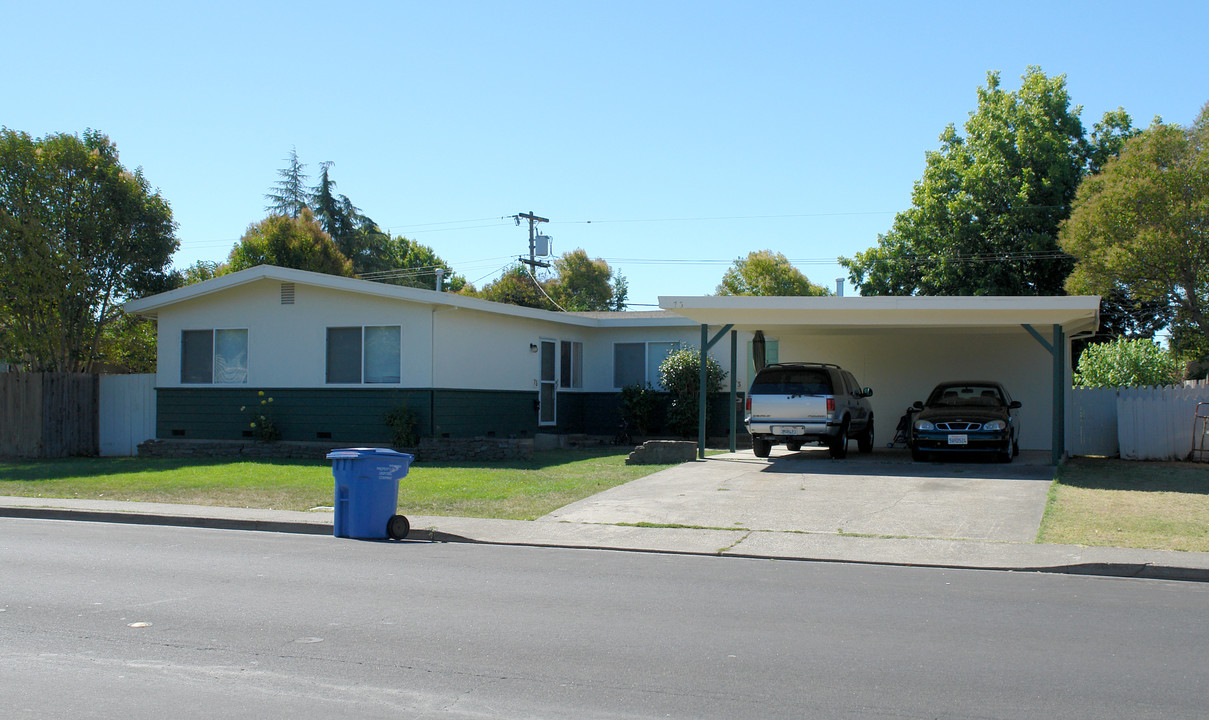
point(747, 404)
point(830, 404)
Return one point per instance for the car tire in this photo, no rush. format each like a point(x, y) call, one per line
point(839, 445)
point(761, 447)
point(864, 441)
point(793, 445)
point(918, 455)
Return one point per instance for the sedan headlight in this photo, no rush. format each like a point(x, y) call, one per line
point(995, 425)
point(924, 425)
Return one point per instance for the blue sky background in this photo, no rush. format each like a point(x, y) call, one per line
point(688, 133)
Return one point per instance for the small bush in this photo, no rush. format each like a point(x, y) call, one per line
point(402, 423)
point(638, 403)
point(1127, 363)
point(681, 375)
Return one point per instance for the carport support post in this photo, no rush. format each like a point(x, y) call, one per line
point(1057, 349)
point(734, 358)
point(706, 344)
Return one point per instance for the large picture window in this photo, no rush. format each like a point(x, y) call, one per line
point(638, 363)
point(369, 354)
point(214, 357)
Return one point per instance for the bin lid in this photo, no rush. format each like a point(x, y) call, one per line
point(354, 453)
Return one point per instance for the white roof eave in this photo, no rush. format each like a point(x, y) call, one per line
point(1076, 313)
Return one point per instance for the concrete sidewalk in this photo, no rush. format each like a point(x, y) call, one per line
point(549, 532)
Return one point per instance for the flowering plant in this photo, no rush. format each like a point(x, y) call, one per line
point(261, 419)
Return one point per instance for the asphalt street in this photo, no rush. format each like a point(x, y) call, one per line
point(110, 620)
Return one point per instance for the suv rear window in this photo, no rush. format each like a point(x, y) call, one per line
point(792, 381)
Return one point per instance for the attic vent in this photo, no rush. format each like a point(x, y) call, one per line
point(287, 293)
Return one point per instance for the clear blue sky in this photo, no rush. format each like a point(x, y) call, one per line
point(688, 133)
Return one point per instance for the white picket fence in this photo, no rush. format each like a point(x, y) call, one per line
point(1146, 423)
point(126, 413)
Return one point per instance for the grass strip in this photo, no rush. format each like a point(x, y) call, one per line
point(1121, 503)
point(515, 490)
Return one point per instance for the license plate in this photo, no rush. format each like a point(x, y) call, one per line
point(787, 429)
point(959, 440)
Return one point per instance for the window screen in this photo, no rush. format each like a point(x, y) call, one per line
point(657, 352)
point(230, 356)
point(382, 354)
point(197, 356)
point(629, 364)
point(344, 355)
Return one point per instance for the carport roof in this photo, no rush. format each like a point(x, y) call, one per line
point(1075, 313)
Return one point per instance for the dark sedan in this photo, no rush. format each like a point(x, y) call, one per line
point(966, 417)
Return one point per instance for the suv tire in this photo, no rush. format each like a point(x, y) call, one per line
point(864, 441)
point(839, 446)
point(761, 447)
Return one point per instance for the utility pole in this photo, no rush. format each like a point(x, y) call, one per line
point(532, 262)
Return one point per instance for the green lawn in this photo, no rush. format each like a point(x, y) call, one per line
point(1120, 503)
point(518, 490)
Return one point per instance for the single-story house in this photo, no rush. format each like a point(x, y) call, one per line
point(336, 354)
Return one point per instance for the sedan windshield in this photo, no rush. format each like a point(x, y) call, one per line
point(966, 396)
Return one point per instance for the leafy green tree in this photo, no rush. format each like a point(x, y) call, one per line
point(79, 234)
point(289, 242)
point(764, 272)
point(199, 271)
point(516, 286)
point(680, 374)
point(985, 216)
point(581, 284)
point(289, 194)
point(127, 345)
point(1127, 363)
point(584, 284)
point(1141, 223)
point(414, 264)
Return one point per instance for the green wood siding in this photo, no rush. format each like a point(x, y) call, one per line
point(349, 415)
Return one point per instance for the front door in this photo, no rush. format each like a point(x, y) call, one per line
point(547, 399)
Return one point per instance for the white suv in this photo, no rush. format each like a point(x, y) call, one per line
point(798, 403)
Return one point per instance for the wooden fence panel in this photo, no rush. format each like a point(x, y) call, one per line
point(48, 414)
point(20, 414)
point(69, 414)
point(126, 409)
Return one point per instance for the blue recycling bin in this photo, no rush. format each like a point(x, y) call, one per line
point(367, 492)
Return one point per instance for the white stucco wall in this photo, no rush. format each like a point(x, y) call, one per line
point(286, 343)
point(443, 347)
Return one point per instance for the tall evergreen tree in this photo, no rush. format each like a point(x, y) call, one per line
point(289, 194)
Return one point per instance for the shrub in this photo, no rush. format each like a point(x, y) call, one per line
point(402, 423)
point(680, 374)
point(1127, 363)
point(638, 404)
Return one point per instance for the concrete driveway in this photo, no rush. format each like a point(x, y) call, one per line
point(884, 493)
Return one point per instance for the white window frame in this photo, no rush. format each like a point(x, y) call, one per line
point(214, 355)
point(361, 360)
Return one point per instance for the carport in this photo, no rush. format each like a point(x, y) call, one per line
point(903, 346)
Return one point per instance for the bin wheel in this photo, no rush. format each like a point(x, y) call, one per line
point(398, 527)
